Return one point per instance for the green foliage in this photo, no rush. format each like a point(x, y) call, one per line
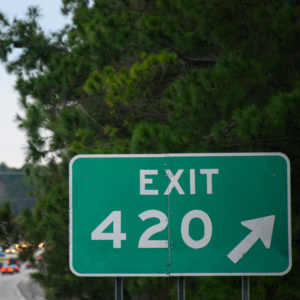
point(14, 188)
point(153, 77)
point(9, 230)
point(152, 288)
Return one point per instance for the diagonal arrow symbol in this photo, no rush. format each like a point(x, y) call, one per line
point(262, 228)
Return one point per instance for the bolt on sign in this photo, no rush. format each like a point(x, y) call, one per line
point(180, 215)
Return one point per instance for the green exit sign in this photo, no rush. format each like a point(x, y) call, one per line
point(180, 215)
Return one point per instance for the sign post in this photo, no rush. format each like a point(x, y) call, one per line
point(180, 215)
point(118, 288)
point(245, 288)
point(180, 288)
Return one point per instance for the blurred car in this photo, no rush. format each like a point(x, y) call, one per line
point(30, 265)
point(39, 260)
point(2, 253)
point(7, 269)
point(13, 261)
point(15, 267)
point(11, 249)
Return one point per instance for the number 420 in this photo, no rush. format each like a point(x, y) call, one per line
point(116, 236)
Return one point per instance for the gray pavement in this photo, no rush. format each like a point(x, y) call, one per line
point(19, 286)
point(31, 290)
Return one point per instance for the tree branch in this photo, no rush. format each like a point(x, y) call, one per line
point(224, 131)
point(137, 46)
point(205, 60)
point(80, 106)
point(263, 141)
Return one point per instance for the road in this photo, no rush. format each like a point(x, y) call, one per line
point(18, 287)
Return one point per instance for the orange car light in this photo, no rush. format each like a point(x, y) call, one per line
point(10, 269)
point(3, 269)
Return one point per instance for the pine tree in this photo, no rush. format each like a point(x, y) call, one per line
point(153, 77)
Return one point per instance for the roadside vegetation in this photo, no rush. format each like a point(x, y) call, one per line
point(14, 188)
point(162, 76)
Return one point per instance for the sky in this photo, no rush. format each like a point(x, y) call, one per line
point(12, 139)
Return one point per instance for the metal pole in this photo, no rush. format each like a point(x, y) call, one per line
point(181, 288)
point(118, 288)
point(245, 288)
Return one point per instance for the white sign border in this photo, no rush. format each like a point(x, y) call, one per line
point(177, 155)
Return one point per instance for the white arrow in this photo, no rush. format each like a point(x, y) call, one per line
point(262, 228)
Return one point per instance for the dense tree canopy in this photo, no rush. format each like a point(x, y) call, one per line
point(9, 230)
point(13, 188)
point(154, 76)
